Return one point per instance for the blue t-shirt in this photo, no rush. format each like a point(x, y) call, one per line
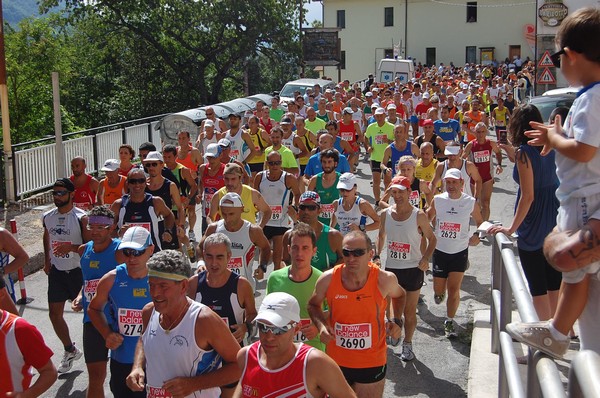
point(313, 167)
point(541, 217)
point(449, 130)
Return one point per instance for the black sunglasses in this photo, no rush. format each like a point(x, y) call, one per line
point(308, 207)
point(276, 330)
point(354, 253)
point(153, 164)
point(555, 58)
point(59, 193)
point(275, 163)
point(132, 181)
point(133, 252)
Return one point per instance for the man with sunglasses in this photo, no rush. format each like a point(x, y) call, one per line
point(355, 329)
point(186, 349)
point(98, 257)
point(65, 228)
point(144, 150)
point(126, 290)
point(218, 124)
point(139, 208)
point(276, 185)
point(275, 366)
point(289, 162)
point(329, 240)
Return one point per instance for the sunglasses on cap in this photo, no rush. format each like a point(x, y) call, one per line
point(133, 252)
point(59, 193)
point(276, 330)
point(133, 181)
point(308, 207)
point(354, 253)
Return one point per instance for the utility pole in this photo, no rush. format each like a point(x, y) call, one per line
point(9, 193)
point(300, 36)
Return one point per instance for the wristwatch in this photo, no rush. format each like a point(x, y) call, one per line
point(362, 227)
point(263, 267)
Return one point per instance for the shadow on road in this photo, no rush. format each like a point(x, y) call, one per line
point(68, 379)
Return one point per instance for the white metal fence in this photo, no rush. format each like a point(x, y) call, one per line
point(35, 168)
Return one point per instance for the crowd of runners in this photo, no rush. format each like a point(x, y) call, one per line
point(172, 314)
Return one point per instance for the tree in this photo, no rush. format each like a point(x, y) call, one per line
point(202, 44)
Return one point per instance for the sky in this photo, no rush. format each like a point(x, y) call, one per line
point(315, 11)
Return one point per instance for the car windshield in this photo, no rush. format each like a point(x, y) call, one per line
point(546, 106)
point(288, 90)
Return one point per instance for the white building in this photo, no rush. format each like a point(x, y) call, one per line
point(434, 31)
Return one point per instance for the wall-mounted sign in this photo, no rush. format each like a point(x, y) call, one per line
point(553, 12)
point(321, 46)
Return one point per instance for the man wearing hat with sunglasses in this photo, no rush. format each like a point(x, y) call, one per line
point(275, 366)
point(355, 329)
point(127, 291)
point(65, 228)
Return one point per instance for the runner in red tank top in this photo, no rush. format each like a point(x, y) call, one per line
point(86, 186)
point(349, 131)
point(211, 180)
point(480, 152)
point(275, 366)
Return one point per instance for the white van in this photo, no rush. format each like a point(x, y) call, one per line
point(287, 92)
point(389, 69)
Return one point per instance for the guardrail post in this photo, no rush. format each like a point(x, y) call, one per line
point(496, 270)
point(507, 293)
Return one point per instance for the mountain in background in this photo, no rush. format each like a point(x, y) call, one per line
point(16, 10)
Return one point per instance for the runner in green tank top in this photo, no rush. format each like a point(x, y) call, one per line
point(325, 184)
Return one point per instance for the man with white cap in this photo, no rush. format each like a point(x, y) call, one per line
point(245, 237)
point(404, 231)
point(451, 212)
point(218, 124)
point(350, 211)
point(207, 136)
point(127, 291)
point(186, 349)
point(210, 179)
point(276, 366)
point(468, 170)
point(377, 137)
point(114, 185)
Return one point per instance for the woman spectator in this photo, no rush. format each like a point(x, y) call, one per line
point(126, 155)
point(535, 211)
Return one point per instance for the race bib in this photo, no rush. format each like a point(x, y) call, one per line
point(399, 250)
point(55, 244)
point(157, 392)
point(415, 198)
point(353, 337)
point(130, 322)
point(300, 337)
point(235, 153)
point(381, 139)
point(481, 156)
point(449, 230)
point(347, 136)
point(326, 211)
point(276, 212)
point(235, 264)
point(89, 289)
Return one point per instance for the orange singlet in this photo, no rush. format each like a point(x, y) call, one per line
point(358, 319)
point(187, 161)
point(112, 194)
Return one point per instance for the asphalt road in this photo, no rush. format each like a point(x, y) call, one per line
point(441, 366)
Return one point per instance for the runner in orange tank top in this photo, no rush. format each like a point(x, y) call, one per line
point(356, 338)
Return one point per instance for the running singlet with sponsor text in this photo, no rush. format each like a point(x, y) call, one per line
point(452, 222)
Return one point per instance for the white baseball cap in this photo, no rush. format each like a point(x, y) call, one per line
point(454, 174)
point(347, 181)
point(154, 156)
point(111, 165)
point(280, 309)
point(231, 199)
point(212, 150)
point(451, 150)
point(209, 123)
point(380, 111)
point(425, 95)
point(137, 238)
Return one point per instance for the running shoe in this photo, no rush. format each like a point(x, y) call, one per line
point(192, 235)
point(449, 329)
point(407, 352)
point(392, 341)
point(68, 358)
point(439, 298)
point(538, 336)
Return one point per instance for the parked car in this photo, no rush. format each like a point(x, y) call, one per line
point(287, 92)
point(548, 101)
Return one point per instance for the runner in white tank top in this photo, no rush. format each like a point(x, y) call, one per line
point(403, 241)
point(277, 196)
point(242, 249)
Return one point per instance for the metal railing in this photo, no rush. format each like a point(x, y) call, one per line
point(543, 377)
point(35, 162)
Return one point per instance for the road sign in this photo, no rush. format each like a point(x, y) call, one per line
point(545, 61)
point(546, 77)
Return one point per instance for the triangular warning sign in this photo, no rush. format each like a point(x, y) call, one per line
point(546, 77)
point(545, 61)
